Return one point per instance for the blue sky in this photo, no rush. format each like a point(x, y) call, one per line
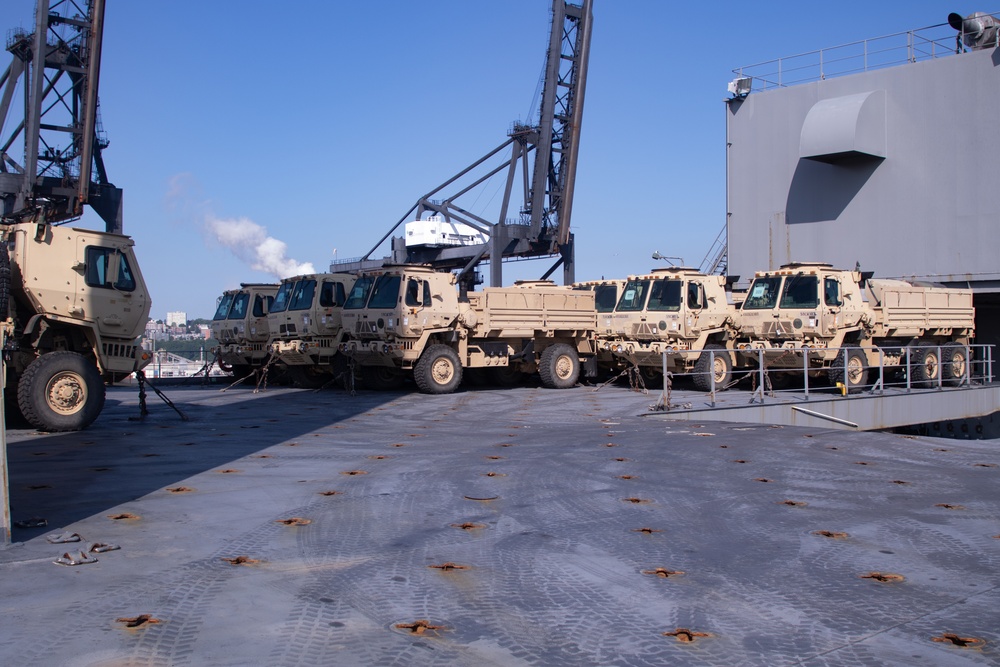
point(319, 124)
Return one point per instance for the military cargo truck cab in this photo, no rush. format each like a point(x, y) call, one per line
point(75, 303)
point(845, 323)
point(413, 319)
point(677, 311)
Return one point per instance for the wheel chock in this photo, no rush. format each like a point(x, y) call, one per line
point(63, 538)
point(69, 559)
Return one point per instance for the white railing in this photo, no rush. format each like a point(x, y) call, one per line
point(913, 46)
point(758, 367)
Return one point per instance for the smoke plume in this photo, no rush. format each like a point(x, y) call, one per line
point(251, 243)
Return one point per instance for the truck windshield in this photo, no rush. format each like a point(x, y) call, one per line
point(800, 292)
point(763, 293)
point(605, 297)
point(359, 293)
point(223, 309)
point(239, 309)
point(385, 292)
point(281, 298)
point(665, 295)
point(302, 295)
point(634, 296)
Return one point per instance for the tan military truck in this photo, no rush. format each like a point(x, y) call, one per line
point(75, 304)
point(411, 318)
point(677, 311)
point(814, 309)
point(241, 327)
point(305, 325)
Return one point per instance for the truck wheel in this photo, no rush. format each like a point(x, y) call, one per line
point(382, 378)
point(924, 367)
point(722, 370)
point(60, 391)
point(857, 371)
point(438, 371)
point(953, 363)
point(559, 366)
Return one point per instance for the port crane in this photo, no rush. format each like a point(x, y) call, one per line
point(542, 163)
point(51, 163)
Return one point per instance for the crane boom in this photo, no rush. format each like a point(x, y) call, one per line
point(60, 169)
point(542, 160)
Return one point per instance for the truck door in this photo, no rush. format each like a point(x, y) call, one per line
point(833, 302)
point(695, 305)
point(113, 297)
point(258, 317)
point(416, 298)
point(332, 296)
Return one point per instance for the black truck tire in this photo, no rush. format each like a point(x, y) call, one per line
point(703, 369)
point(954, 360)
point(60, 391)
point(438, 371)
point(559, 366)
point(857, 371)
point(924, 367)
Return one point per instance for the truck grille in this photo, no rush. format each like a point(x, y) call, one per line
point(779, 329)
point(120, 350)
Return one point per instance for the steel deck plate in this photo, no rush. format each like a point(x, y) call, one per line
point(494, 527)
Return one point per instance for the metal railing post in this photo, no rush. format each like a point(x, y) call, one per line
point(881, 371)
point(760, 365)
point(909, 370)
point(940, 369)
point(711, 373)
point(847, 371)
point(967, 380)
point(663, 390)
point(805, 371)
point(989, 364)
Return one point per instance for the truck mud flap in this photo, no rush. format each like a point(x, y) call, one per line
point(527, 352)
point(589, 367)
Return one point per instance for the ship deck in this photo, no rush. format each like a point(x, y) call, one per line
point(494, 527)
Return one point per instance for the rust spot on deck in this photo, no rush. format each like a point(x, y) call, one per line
point(685, 635)
point(663, 572)
point(241, 560)
point(138, 621)
point(294, 521)
point(953, 639)
point(832, 534)
point(884, 577)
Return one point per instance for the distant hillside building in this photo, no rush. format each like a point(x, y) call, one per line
point(177, 319)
